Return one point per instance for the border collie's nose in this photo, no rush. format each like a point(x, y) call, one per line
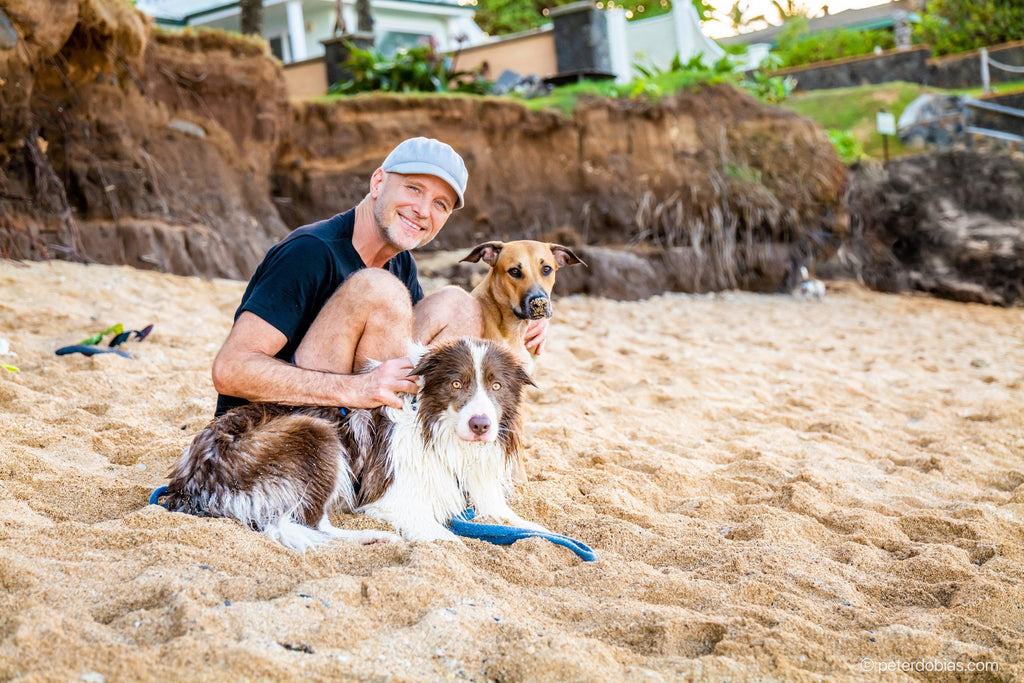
point(479, 424)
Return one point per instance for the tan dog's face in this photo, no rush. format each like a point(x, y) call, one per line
point(523, 273)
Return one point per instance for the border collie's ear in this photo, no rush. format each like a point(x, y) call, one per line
point(524, 376)
point(564, 256)
point(488, 251)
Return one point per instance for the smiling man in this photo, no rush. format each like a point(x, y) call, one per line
point(335, 294)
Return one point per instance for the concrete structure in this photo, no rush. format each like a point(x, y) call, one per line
point(294, 28)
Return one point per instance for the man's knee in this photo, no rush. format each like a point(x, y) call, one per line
point(375, 289)
point(447, 313)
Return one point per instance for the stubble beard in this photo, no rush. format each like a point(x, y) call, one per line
point(387, 231)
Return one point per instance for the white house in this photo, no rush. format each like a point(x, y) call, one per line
point(294, 28)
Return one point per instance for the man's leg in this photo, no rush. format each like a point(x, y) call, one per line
point(449, 313)
point(368, 318)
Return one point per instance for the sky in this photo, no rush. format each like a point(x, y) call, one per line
point(718, 29)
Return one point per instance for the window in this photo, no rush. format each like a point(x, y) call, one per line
point(392, 41)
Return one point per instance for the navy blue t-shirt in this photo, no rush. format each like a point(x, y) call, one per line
point(298, 276)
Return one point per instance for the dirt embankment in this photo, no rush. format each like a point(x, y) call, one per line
point(122, 145)
point(950, 224)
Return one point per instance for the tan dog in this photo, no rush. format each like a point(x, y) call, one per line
point(517, 289)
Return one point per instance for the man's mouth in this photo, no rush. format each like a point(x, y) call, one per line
point(410, 225)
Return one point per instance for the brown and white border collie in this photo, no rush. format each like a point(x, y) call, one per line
point(281, 469)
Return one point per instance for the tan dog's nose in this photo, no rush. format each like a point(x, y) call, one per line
point(539, 307)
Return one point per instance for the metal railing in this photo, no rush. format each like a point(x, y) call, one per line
point(987, 61)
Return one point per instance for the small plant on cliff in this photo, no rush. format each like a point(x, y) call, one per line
point(772, 89)
point(419, 69)
point(847, 146)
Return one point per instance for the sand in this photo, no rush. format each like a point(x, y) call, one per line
point(777, 490)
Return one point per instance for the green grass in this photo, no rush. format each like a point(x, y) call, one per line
point(854, 109)
point(565, 98)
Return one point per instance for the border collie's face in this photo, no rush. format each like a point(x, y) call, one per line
point(473, 388)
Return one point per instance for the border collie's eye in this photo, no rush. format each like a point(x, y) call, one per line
point(515, 272)
point(546, 270)
point(496, 386)
point(456, 384)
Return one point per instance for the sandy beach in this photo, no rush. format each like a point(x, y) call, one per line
point(776, 489)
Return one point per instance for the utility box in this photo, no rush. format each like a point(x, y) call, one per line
point(336, 53)
point(582, 43)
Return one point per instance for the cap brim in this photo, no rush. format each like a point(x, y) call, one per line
point(427, 168)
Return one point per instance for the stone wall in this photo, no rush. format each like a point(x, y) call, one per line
point(913, 66)
point(910, 66)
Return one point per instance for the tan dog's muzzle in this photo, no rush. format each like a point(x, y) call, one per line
point(538, 307)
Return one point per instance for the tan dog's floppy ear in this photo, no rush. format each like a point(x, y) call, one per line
point(564, 256)
point(488, 251)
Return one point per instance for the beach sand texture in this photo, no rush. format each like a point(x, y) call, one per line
point(777, 490)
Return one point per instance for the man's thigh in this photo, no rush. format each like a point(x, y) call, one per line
point(369, 317)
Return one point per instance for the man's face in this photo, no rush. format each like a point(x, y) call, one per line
point(410, 209)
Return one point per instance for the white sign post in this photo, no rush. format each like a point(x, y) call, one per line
point(886, 124)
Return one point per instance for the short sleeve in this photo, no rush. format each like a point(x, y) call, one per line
point(291, 285)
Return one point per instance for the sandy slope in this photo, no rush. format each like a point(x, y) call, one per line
point(777, 490)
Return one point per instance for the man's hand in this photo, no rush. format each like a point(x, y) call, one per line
point(382, 385)
point(536, 336)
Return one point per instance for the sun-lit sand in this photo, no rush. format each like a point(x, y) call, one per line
point(777, 490)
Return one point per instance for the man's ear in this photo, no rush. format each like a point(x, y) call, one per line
point(564, 256)
point(487, 252)
point(375, 182)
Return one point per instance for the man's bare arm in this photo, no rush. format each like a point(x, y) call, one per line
point(246, 367)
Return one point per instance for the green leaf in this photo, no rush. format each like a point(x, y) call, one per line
point(10, 367)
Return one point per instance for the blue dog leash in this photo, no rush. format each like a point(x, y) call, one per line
point(462, 526)
point(507, 535)
point(154, 498)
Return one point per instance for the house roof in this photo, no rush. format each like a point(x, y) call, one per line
point(877, 16)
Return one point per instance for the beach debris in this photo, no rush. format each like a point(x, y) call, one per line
point(5, 350)
point(89, 350)
point(808, 287)
point(89, 345)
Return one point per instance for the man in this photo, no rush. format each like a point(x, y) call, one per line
point(335, 294)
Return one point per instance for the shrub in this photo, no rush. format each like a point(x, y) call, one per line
point(952, 26)
point(797, 47)
point(846, 144)
point(420, 69)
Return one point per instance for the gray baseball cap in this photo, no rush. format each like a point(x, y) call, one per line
point(433, 157)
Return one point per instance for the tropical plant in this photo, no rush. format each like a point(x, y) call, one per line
point(419, 69)
point(772, 89)
point(952, 26)
point(790, 9)
point(738, 17)
point(501, 17)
